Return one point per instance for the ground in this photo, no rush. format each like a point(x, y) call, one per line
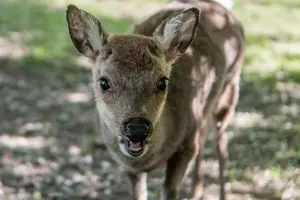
point(47, 110)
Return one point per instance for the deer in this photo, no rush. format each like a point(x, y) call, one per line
point(160, 89)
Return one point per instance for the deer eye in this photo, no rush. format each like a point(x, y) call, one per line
point(161, 85)
point(104, 84)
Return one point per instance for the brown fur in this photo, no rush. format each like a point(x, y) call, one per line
point(202, 61)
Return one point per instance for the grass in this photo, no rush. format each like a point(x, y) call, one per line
point(270, 82)
point(43, 29)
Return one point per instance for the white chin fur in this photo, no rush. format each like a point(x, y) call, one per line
point(125, 152)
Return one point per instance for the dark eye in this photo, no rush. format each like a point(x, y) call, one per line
point(161, 85)
point(104, 85)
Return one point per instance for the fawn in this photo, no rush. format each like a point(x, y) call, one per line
point(161, 88)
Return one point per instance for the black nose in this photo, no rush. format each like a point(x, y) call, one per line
point(137, 129)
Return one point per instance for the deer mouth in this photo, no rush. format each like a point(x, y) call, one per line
point(134, 148)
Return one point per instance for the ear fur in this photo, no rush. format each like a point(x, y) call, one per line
point(175, 34)
point(86, 32)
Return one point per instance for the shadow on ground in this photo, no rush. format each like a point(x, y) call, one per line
point(48, 112)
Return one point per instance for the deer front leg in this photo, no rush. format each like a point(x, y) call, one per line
point(197, 185)
point(138, 185)
point(176, 168)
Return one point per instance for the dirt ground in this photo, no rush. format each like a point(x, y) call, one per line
point(44, 121)
point(47, 115)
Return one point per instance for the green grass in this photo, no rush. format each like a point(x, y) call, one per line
point(271, 28)
point(272, 36)
point(46, 27)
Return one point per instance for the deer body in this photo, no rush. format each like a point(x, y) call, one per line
point(160, 88)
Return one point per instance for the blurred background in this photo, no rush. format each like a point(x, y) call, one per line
point(47, 111)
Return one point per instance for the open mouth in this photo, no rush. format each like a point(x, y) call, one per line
point(134, 148)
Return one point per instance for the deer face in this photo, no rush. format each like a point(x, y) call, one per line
point(131, 74)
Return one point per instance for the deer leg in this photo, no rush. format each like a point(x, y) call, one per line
point(222, 156)
point(138, 185)
point(197, 184)
point(225, 109)
point(176, 168)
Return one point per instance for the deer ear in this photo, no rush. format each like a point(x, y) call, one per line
point(85, 31)
point(175, 34)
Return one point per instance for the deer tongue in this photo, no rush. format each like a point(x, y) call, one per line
point(135, 145)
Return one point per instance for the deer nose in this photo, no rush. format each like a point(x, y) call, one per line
point(137, 129)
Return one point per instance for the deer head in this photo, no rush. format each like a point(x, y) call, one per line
point(131, 74)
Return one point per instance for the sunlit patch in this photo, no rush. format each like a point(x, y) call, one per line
point(74, 150)
point(292, 109)
point(14, 142)
point(32, 127)
point(77, 97)
point(283, 47)
point(11, 46)
point(29, 169)
point(247, 119)
point(289, 88)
